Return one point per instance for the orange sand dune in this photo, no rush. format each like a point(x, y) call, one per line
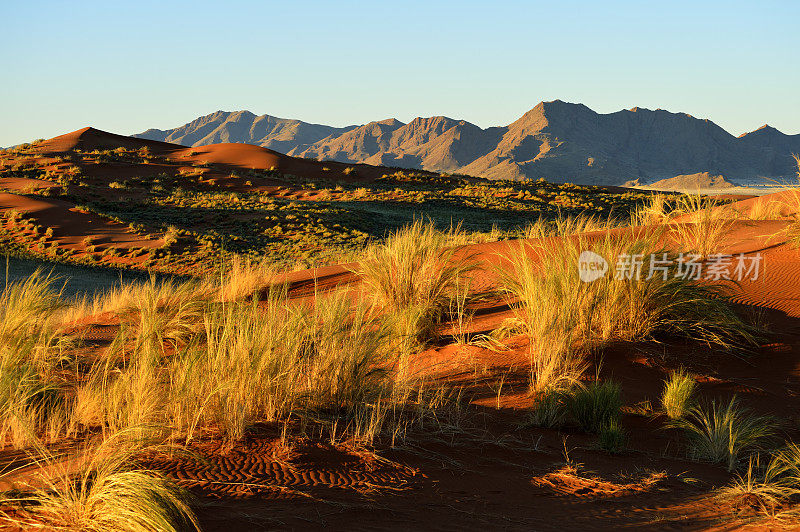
point(90, 138)
point(24, 183)
point(71, 226)
point(234, 155)
point(784, 203)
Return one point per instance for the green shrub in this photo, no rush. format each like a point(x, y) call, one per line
point(596, 406)
point(721, 433)
point(551, 409)
point(612, 437)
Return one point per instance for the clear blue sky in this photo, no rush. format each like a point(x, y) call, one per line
point(125, 67)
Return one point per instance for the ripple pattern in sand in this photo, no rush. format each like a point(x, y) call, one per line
point(256, 469)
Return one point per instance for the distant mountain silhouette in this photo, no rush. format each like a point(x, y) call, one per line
point(556, 140)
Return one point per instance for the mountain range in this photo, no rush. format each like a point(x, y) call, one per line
point(559, 141)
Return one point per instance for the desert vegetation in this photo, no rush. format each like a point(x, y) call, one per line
point(455, 347)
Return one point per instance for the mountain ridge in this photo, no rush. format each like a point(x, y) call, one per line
point(557, 140)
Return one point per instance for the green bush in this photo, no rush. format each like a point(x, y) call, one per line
point(596, 406)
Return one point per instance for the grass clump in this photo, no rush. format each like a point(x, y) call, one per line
point(320, 360)
point(612, 438)
point(109, 491)
point(414, 277)
point(706, 226)
point(657, 211)
point(32, 402)
point(769, 487)
point(597, 406)
point(678, 394)
point(563, 226)
point(722, 433)
point(564, 316)
point(551, 409)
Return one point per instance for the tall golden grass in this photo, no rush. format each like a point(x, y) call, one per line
point(31, 353)
point(562, 314)
point(414, 277)
point(563, 226)
point(793, 231)
point(188, 361)
point(101, 488)
point(678, 395)
point(657, 211)
point(327, 360)
point(706, 227)
point(235, 279)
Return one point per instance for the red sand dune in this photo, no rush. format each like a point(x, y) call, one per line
point(23, 183)
point(89, 139)
point(233, 155)
point(784, 202)
point(71, 226)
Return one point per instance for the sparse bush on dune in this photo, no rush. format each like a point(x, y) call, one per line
point(722, 433)
point(413, 277)
point(678, 394)
point(170, 236)
point(101, 489)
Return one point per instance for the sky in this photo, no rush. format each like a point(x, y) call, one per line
point(128, 66)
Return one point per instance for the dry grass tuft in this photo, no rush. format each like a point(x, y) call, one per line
point(563, 315)
point(553, 302)
point(767, 488)
point(414, 277)
point(329, 360)
point(102, 489)
point(707, 227)
point(32, 401)
point(658, 211)
point(678, 394)
point(567, 226)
